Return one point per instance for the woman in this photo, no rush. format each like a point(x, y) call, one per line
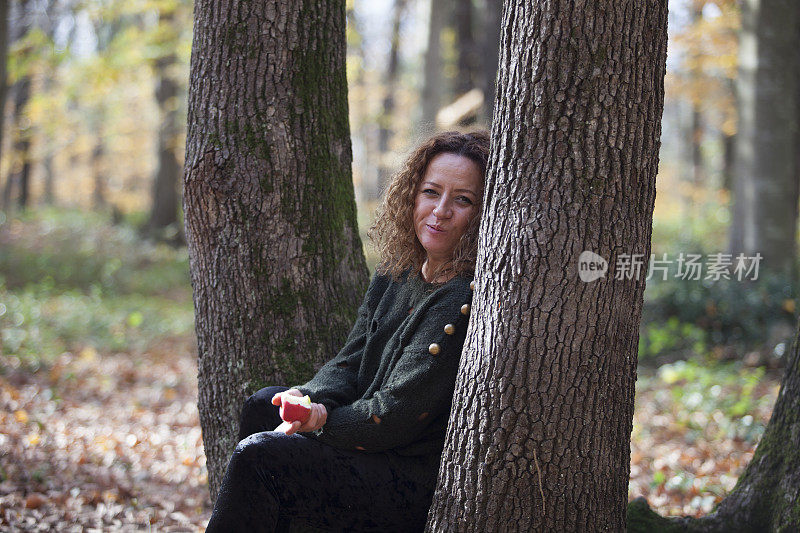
point(368, 457)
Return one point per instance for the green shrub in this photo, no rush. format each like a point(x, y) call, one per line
point(68, 249)
point(682, 317)
point(70, 280)
point(37, 325)
point(726, 312)
point(710, 402)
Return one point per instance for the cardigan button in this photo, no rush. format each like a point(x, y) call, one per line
point(434, 348)
point(449, 329)
point(472, 284)
point(465, 309)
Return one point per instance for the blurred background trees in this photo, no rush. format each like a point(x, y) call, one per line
point(95, 114)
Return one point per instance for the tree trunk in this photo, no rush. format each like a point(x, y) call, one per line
point(698, 171)
point(767, 495)
point(49, 194)
point(387, 115)
point(695, 136)
point(465, 46)
point(361, 120)
point(54, 13)
point(164, 210)
point(276, 261)
point(99, 197)
point(22, 142)
point(766, 187)
point(432, 88)
point(728, 150)
point(19, 174)
point(539, 435)
point(3, 60)
point(491, 52)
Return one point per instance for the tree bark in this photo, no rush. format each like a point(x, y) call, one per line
point(164, 210)
point(276, 261)
point(766, 187)
point(539, 433)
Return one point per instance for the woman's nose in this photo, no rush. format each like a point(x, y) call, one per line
point(441, 210)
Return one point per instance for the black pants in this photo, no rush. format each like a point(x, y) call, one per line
point(273, 478)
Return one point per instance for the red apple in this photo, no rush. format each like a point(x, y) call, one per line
point(295, 408)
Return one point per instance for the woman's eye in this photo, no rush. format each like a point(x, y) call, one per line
point(429, 191)
point(464, 200)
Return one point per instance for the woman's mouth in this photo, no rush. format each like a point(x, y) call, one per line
point(435, 229)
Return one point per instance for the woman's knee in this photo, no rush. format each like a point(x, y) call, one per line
point(262, 451)
point(262, 397)
point(258, 410)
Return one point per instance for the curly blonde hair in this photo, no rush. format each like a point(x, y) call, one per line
point(393, 234)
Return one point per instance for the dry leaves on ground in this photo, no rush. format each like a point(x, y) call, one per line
point(103, 442)
point(113, 443)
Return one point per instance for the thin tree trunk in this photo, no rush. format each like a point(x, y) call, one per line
point(695, 136)
point(493, 18)
point(386, 131)
point(18, 176)
point(539, 433)
point(164, 210)
point(766, 188)
point(49, 196)
point(362, 123)
point(99, 197)
point(276, 261)
point(698, 172)
point(728, 150)
point(432, 88)
point(48, 23)
point(8, 190)
point(22, 142)
point(465, 46)
point(3, 60)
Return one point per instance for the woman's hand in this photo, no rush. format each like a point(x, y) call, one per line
point(319, 415)
point(276, 400)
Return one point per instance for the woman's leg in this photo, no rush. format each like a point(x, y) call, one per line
point(258, 413)
point(271, 474)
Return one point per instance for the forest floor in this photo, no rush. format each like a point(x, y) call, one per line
point(104, 442)
point(113, 442)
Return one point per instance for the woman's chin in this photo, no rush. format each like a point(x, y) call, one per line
point(438, 254)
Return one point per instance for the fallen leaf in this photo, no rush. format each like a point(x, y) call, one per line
point(35, 500)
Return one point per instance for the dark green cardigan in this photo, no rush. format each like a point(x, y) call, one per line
point(385, 391)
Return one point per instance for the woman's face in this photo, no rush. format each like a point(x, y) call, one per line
point(446, 200)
